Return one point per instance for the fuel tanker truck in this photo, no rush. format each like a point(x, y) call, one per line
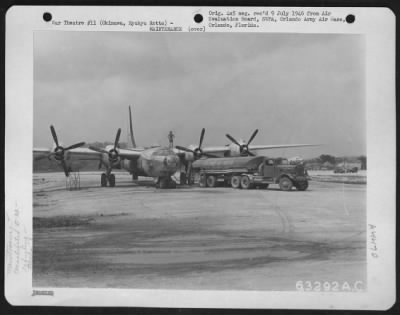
point(250, 172)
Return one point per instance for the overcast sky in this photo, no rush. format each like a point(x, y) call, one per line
point(295, 88)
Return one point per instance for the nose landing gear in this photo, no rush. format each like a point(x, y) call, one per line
point(107, 179)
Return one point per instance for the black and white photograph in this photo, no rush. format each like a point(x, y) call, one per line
point(210, 161)
point(241, 162)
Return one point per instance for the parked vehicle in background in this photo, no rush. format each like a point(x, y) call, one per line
point(342, 170)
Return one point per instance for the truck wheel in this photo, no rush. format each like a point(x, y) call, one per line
point(103, 180)
point(302, 186)
point(235, 181)
point(111, 180)
point(202, 181)
point(285, 184)
point(246, 182)
point(211, 181)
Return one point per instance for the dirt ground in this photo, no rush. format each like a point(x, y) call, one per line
point(137, 236)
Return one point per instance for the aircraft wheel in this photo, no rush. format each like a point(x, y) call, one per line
point(285, 184)
point(302, 186)
point(111, 180)
point(183, 178)
point(211, 181)
point(245, 182)
point(171, 184)
point(235, 181)
point(103, 180)
point(164, 183)
point(134, 177)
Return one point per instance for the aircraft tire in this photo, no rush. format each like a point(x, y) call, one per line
point(211, 181)
point(285, 184)
point(245, 182)
point(171, 183)
point(103, 180)
point(111, 180)
point(183, 179)
point(235, 181)
point(164, 183)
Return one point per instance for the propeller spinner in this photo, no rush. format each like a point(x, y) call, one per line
point(113, 154)
point(244, 147)
point(59, 151)
point(197, 152)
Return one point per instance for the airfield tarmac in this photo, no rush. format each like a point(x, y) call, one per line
point(137, 236)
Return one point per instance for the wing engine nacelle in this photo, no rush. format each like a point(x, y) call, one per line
point(189, 156)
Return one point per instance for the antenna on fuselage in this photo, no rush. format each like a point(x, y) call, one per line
point(131, 129)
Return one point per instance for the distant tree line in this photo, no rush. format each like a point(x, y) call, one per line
point(331, 161)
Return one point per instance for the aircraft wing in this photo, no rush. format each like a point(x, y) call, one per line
point(40, 153)
point(279, 146)
point(86, 153)
point(216, 149)
point(130, 154)
point(210, 150)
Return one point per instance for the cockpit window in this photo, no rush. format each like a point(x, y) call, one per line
point(163, 152)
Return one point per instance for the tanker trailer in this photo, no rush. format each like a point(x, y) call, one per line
point(250, 172)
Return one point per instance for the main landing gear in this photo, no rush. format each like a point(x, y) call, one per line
point(165, 182)
point(107, 179)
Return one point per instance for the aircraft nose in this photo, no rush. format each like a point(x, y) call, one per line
point(171, 161)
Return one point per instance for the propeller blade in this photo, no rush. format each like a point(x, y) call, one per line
point(100, 164)
point(76, 145)
point(252, 136)
point(232, 139)
point(117, 138)
point(98, 150)
point(65, 168)
point(184, 149)
point(53, 133)
point(202, 137)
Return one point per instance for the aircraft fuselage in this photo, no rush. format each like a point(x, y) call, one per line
point(155, 162)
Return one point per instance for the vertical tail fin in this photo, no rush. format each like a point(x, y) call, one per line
point(131, 129)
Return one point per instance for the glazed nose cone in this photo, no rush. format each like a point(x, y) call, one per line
point(171, 161)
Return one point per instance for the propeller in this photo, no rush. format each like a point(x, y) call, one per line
point(244, 147)
point(59, 151)
point(197, 152)
point(113, 154)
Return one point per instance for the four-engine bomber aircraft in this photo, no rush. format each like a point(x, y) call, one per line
point(157, 162)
